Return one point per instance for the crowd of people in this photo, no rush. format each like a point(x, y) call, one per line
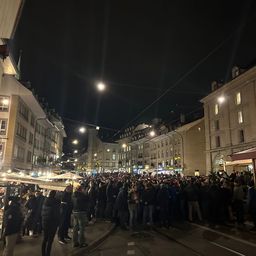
point(131, 201)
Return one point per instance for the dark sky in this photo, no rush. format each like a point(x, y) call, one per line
point(139, 48)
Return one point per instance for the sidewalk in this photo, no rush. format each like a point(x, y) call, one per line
point(94, 234)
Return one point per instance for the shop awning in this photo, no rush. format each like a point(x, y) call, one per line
point(245, 154)
point(239, 162)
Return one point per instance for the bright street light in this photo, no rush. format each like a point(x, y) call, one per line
point(221, 99)
point(95, 154)
point(75, 142)
point(82, 129)
point(124, 145)
point(97, 128)
point(152, 133)
point(75, 151)
point(76, 160)
point(101, 86)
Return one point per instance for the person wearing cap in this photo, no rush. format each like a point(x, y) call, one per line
point(80, 210)
point(12, 225)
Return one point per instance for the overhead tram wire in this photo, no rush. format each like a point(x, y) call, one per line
point(185, 75)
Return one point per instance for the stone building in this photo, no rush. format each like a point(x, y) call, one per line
point(230, 121)
point(30, 137)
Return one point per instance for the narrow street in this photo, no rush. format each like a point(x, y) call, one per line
point(193, 241)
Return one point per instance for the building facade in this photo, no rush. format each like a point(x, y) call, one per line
point(178, 150)
point(30, 138)
point(230, 123)
point(101, 156)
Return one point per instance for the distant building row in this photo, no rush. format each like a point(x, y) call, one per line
point(228, 126)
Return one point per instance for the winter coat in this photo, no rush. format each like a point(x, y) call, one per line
point(148, 196)
point(12, 219)
point(50, 212)
point(122, 200)
point(80, 202)
point(163, 197)
point(252, 199)
point(192, 192)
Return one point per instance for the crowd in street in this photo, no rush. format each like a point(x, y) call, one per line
point(131, 201)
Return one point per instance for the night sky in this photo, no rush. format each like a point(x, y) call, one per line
point(139, 48)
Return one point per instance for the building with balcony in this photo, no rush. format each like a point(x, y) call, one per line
point(230, 123)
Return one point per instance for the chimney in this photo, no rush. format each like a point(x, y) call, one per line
point(214, 85)
point(235, 72)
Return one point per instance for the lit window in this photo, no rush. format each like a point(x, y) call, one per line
point(238, 98)
point(4, 103)
point(216, 109)
point(240, 117)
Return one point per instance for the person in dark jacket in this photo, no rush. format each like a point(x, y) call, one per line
point(65, 215)
point(31, 207)
point(80, 211)
point(252, 204)
point(50, 221)
point(192, 195)
point(102, 200)
point(12, 225)
point(148, 202)
point(163, 204)
point(122, 206)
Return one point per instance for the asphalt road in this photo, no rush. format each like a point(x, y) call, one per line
point(191, 240)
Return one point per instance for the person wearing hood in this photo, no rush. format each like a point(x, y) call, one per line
point(50, 221)
point(12, 225)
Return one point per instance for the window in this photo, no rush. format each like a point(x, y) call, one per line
point(216, 109)
point(217, 141)
point(238, 98)
point(241, 136)
point(3, 126)
point(23, 110)
point(4, 103)
point(217, 125)
point(1, 150)
point(240, 117)
point(29, 157)
point(31, 138)
point(21, 131)
point(19, 153)
point(114, 157)
point(32, 120)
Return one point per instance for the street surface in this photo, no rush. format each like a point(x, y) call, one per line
point(186, 240)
